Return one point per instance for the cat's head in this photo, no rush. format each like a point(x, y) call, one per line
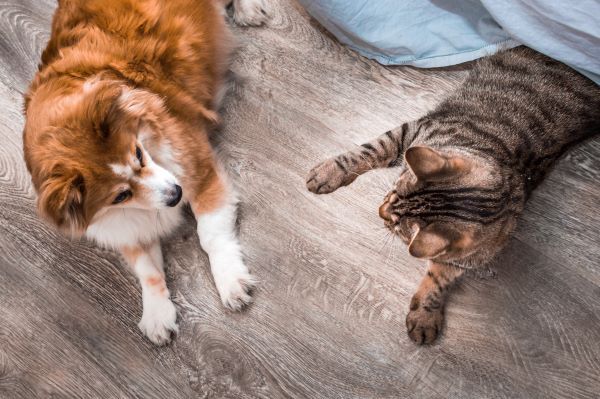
point(451, 206)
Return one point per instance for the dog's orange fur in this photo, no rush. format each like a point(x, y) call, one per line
point(116, 135)
point(174, 50)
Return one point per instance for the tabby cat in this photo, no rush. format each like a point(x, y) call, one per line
point(470, 166)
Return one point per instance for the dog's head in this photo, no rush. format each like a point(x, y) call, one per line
point(84, 147)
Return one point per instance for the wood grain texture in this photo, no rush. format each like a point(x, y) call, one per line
point(328, 321)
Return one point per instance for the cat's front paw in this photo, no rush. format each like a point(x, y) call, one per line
point(328, 176)
point(424, 326)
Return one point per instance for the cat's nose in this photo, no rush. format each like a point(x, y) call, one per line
point(385, 211)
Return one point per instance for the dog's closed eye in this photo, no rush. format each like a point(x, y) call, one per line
point(122, 196)
point(139, 155)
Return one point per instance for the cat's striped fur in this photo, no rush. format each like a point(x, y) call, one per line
point(470, 165)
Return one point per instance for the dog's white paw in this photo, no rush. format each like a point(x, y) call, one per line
point(250, 12)
point(159, 320)
point(234, 287)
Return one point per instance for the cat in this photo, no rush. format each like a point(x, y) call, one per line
point(470, 166)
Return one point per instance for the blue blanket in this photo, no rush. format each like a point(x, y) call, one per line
point(434, 33)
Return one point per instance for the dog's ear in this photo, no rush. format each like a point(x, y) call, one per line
point(61, 200)
point(103, 109)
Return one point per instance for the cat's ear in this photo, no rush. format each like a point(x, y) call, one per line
point(429, 165)
point(431, 241)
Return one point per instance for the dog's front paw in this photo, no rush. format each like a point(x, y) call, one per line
point(234, 287)
point(159, 320)
point(250, 12)
point(327, 177)
point(424, 325)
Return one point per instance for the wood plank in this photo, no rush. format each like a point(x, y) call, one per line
point(328, 320)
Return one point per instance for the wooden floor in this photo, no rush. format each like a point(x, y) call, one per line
point(328, 321)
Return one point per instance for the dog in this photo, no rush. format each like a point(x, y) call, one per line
point(116, 136)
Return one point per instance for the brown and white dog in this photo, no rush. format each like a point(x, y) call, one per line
point(116, 136)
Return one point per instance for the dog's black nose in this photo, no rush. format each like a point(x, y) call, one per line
point(175, 193)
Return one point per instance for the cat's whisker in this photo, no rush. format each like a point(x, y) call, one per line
point(393, 250)
point(381, 246)
point(388, 238)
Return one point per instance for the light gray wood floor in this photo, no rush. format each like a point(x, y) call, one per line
point(328, 321)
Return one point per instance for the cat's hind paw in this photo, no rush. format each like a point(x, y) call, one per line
point(328, 176)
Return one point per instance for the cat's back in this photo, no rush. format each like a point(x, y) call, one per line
point(542, 91)
point(519, 103)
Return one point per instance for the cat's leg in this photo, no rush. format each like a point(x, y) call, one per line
point(383, 152)
point(215, 208)
point(248, 12)
point(426, 315)
point(159, 314)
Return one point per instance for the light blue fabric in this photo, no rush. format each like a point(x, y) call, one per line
point(423, 33)
point(566, 30)
point(434, 33)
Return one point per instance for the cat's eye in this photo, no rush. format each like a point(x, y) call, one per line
point(122, 196)
point(139, 156)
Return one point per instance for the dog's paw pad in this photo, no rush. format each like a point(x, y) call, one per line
point(159, 321)
point(235, 290)
point(250, 13)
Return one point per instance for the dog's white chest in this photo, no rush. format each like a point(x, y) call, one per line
point(126, 227)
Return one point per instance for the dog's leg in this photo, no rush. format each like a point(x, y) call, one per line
point(216, 211)
point(159, 314)
point(249, 12)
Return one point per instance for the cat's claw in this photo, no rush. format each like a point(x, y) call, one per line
point(327, 177)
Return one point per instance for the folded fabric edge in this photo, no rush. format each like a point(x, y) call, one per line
point(439, 60)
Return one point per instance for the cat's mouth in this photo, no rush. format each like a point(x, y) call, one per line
point(398, 231)
point(391, 220)
point(394, 225)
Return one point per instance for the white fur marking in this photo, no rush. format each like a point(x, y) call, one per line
point(127, 100)
point(162, 153)
point(166, 157)
point(159, 314)
point(115, 227)
point(158, 181)
point(250, 12)
point(122, 170)
point(216, 231)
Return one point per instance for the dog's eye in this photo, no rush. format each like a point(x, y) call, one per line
point(123, 195)
point(139, 156)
